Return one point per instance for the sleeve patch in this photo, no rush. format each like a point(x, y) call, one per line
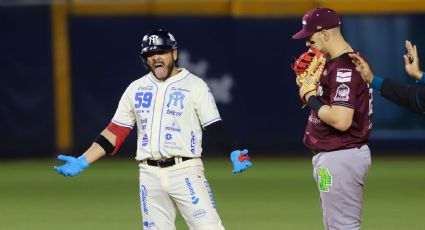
point(342, 93)
point(343, 75)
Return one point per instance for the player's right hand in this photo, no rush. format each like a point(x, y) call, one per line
point(73, 166)
point(411, 61)
point(240, 160)
point(362, 67)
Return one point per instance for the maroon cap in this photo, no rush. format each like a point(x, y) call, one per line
point(316, 20)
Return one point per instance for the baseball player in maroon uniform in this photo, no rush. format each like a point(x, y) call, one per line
point(339, 123)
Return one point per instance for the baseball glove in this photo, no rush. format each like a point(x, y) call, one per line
point(308, 68)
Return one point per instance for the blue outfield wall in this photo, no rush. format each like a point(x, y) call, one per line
point(245, 61)
point(248, 60)
point(26, 88)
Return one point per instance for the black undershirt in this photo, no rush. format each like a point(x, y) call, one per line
point(222, 138)
point(411, 97)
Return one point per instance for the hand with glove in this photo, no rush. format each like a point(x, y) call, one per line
point(240, 160)
point(308, 68)
point(73, 166)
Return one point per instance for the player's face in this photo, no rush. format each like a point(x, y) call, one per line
point(316, 41)
point(162, 64)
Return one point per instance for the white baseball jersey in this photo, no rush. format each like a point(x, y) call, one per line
point(169, 114)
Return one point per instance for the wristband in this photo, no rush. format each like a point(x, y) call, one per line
point(105, 144)
point(314, 103)
point(422, 81)
point(376, 82)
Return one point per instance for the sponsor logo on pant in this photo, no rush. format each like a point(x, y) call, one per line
point(192, 193)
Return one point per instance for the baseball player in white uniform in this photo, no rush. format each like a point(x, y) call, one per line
point(170, 107)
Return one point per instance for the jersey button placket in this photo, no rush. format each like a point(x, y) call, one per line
point(157, 116)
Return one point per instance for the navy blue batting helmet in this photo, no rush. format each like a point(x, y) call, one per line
point(157, 40)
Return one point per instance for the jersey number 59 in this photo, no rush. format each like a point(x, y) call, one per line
point(143, 99)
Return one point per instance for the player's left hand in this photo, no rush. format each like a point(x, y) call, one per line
point(362, 67)
point(73, 166)
point(240, 160)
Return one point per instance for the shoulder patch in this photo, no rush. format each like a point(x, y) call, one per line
point(342, 93)
point(343, 75)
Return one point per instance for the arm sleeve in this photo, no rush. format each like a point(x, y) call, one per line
point(205, 105)
point(345, 86)
point(376, 82)
point(422, 81)
point(124, 115)
point(221, 136)
point(407, 96)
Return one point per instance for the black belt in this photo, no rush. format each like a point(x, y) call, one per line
point(163, 163)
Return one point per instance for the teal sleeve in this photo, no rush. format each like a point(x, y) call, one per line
point(376, 82)
point(422, 81)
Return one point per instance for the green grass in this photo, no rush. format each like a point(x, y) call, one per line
point(274, 194)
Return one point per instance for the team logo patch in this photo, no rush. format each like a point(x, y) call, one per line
point(343, 75)
point(325, 179)
point(176, 98)
point(154, 40)
point(342, 93)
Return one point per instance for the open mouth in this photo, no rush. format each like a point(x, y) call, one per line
point(158, 65)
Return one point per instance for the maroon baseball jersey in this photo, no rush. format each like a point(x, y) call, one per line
point(340, 84)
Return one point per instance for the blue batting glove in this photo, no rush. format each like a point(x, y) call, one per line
point(240, 160)
point(73, 166)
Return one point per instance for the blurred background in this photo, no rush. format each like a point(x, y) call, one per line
point(65, 64)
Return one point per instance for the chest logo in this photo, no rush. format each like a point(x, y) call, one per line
point(176, 98)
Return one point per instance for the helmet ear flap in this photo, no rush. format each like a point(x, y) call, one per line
point(144, 60)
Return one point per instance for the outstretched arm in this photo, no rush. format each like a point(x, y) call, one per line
point(74, 166)
point(108, 141)
point(410, 97)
